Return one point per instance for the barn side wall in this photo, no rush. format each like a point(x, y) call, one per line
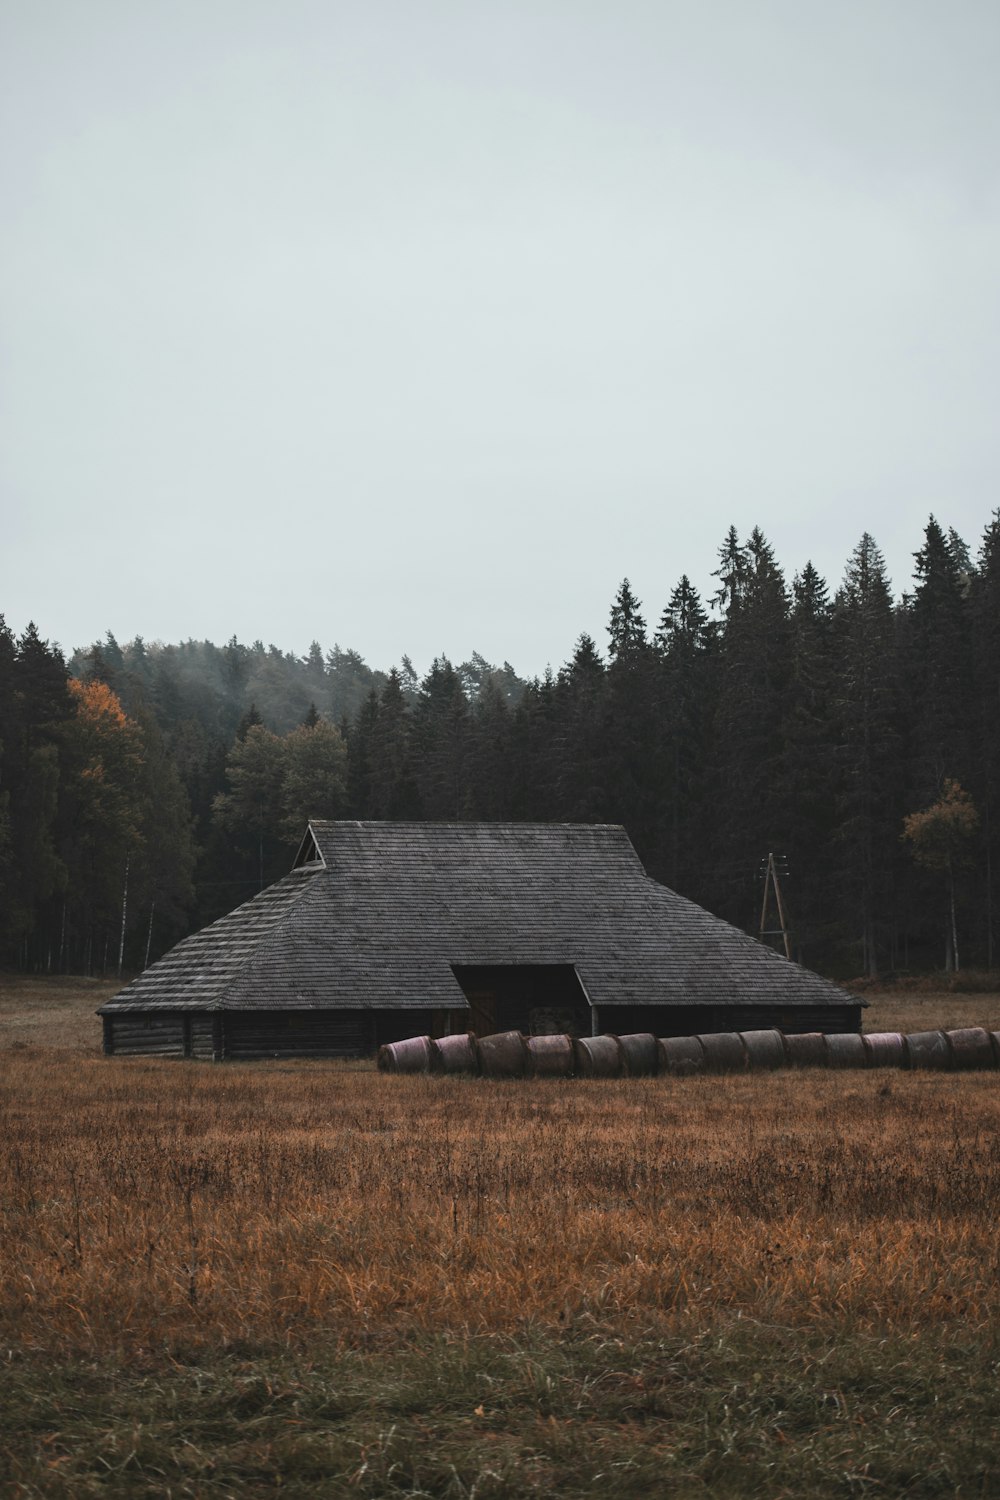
point(790, 1018)
point(691, 1020)
point(215, 1035)
point(297, 1033)
point(134, 1033)
point(206, 1035)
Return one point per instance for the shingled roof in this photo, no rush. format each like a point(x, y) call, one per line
point(374, 915)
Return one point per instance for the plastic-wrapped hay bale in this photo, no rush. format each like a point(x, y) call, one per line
point(806, 1049)
point(550, 1056)
point(598, 1057)
point(457, 1054)
point(845, 1049)
point(927, 1049)
point(724, 1051)
point(885, 1049)
point(640, 1052)
point(970, 1048)
point(503, 1055)
point(681, 1055)
point(995, 1039)
point(765, 1050)
point(414, 1055)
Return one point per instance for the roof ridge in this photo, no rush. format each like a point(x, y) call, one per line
point(468, 825)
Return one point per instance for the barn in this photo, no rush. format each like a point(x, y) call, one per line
point(388, 930)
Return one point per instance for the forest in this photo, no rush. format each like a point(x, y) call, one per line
point(148, 788)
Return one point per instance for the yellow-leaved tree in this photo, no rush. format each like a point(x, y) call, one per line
point(125, 831)
point(940, 838)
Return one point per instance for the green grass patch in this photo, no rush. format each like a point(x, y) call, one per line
point(736, 1409)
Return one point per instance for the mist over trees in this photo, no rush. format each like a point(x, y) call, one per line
point(146, 788)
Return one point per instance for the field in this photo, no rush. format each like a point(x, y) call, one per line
point(310, 1279)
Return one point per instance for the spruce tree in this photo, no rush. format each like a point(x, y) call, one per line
point(938, 662)
point(809, 764)
point(392, 785)
point(750, 815)
point(868, 803)
point(684, 642)
point(985, 727)
point(441, 741)
point(578, 738)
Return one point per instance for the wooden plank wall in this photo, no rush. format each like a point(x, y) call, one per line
point(144, 1034)
point(311, 1033)
point(206, 1035)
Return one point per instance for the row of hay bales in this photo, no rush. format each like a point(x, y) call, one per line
point(510, 1054)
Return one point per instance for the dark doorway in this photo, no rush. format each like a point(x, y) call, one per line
point(540, 999)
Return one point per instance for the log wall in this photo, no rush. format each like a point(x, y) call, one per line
point(307, 1033)
point(144, 1034)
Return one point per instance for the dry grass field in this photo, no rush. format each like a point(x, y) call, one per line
point(311, 1279)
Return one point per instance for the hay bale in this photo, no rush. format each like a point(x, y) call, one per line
point(550, 1057)
point(724, 1051)
point(805, 1049)
point(681, 1055)
point(503, 1055)
point(927, 1049)
point(598, 1057)
point(414, 1055)
point(845, 1049)
point(886, 1049)
point(970, 1048)
point(457, 1054)
point(765, 1050)
point(640, 1052)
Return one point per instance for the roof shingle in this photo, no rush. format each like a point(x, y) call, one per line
point(387, 909)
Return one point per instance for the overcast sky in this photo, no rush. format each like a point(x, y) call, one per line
point(416, 326)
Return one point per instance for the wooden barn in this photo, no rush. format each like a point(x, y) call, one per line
point(388, 930)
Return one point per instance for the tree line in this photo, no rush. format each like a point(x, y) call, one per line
point(147, 788)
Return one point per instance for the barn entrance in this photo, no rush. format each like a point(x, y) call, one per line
point(540, 999)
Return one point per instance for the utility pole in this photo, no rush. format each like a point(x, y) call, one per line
point(773, 867)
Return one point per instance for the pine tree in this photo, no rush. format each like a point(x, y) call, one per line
point(627, 628)
point(440, 739)
point(392, 786)
point(868, 803)
point(731, 573)
point(490, 766)
point(634, 765)
point(985, 727)
point(750, 816)
point(809, 763)
point(161, 879)
point(684, 642)
point(359, 738)
point(577, 759)
point(250, 811)
point(938, 660)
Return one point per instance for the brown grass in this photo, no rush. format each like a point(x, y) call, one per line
point(160, 1214)
point(219, 1204)
point(57, 1011)
point(908, 1010)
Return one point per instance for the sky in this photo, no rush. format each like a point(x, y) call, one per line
point(416, 327)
